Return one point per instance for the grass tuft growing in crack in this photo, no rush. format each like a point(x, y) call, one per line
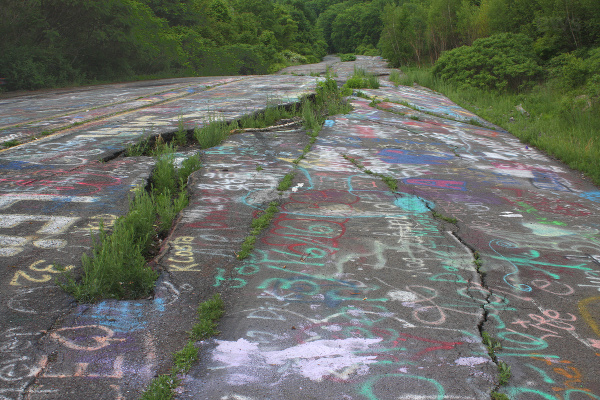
point(443, 217)
point(327, 101)
point(361, 79)
point(286, 182)
point(258, 224)
point(492, 346)
point(117, 268)
point(389, 181)
point(209, 313)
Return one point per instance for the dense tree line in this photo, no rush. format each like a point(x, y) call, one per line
point(493, 44)
point(57, 42)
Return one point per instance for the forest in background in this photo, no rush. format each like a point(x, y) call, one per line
point(49, 43)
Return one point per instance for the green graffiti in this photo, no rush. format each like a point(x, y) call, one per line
point(531, 343)
point(513, 392)
point(368, 389)
point(220, 278)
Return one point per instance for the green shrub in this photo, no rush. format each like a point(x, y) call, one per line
point(361, 79)
point(212, 134)
point(117, 268)
point(500, 62)
point(163, 177)
point(347, 57)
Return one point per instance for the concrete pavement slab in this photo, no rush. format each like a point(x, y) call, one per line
point(54, 193)
point(355, 291)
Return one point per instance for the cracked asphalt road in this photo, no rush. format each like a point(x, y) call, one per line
point(355, 291)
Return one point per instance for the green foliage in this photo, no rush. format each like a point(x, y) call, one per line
point(117, 268)
point(396, 78)
point(347, 57)
point(567, 71)
point(361, 79)
point(286, 182)
point(189, 165)
point(212, 309)
point(262, 222)
point(443, 217)
point(181, 134)
point(11, 143)
point(161, 388)
point(60, 42)
point(504, 371)
point(212, 134)
point(500, 62)
point(247, 247)
point(491, 344)
point(163, 177)
point(499, 396)
point(184, 358)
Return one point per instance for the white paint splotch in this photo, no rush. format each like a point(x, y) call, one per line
point(313, 360)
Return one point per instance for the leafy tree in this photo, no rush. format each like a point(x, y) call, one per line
point(404, 37)
point(504, 61)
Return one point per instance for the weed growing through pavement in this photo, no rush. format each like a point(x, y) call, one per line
point(259, 168)
point(499, 396)
point(286, 182)
point(389, 181)
point(477, 261)
point(443, 217)
point(492, 346)
point(213, 133)
point(258, 224)
point(505, 374)
point(209, 313)
point(181, 133)
point(117, 266)
point(347, 57)
point(361, 79)
point(11, 143)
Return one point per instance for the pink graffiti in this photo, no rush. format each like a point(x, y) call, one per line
point(454, 185)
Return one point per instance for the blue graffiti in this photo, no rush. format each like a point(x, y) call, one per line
point(397, 156)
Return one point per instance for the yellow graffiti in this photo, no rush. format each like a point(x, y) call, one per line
point(587, 315)
point(183, 255)
point(50, 269)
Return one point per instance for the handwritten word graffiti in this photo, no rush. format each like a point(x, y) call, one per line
point(549, 322)
point(37, 274)
point(527, 259)
point(182, 259)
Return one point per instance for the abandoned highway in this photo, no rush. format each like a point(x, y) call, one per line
point(477, 275)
